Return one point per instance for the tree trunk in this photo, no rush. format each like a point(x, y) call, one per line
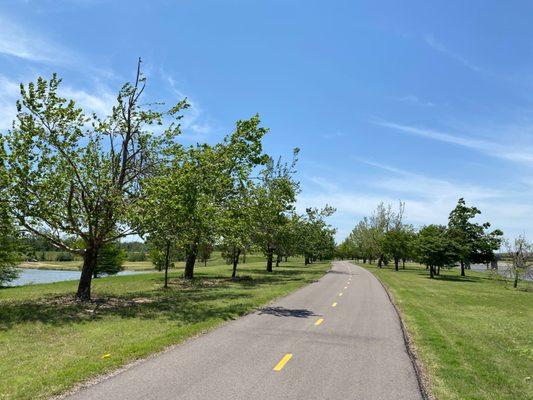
point(244, 257)
point(286, 258)
point(270, 254)
point(190, 261)
point(364, 260)
point(306, 260)
point(89, 265)
point(438, 270)
point(396, 262)
point(431, 271)
point(515, 283)
point(462, 268)
point(380, 261)
point(236, 254)
point(278, 259)
point(403, 263)
point(167, 256)
point(467, 265)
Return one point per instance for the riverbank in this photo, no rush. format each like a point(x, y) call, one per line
point(50, 342)
point(76, 265)
point(473, 333)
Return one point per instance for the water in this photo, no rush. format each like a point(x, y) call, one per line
point(33, 276)
point(503, 270)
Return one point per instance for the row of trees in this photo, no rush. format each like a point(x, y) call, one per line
point(68, 174)
point(384, 236)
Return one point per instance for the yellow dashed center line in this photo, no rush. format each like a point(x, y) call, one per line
point(334, 305)
point(279, 366)
point(319, 321)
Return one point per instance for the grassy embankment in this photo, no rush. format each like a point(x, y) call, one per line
point(48, 342)
point(474, 334)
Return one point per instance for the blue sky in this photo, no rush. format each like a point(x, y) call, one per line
point(418, 101)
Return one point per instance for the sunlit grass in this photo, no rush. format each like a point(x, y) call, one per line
point(474, 334)
point(48, 342)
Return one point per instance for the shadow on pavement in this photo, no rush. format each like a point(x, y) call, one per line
point(287, 312)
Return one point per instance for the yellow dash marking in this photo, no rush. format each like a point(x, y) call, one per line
point(279, 366)
point(334, 305)
point(340, 294)
point(106, 355)
point(319, 321)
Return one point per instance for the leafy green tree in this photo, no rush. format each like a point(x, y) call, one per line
point(109, 260)
point(315, 235)
point(189, 201)
point(9, 248)
point(473, 241)
point(397, 243)
point(73, 174)
point(273, 201)
point(435, 248)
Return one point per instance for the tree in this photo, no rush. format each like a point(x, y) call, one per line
point(9, 255)
point(472, 241)
point(238, 224)
point(435, 249)
point(273, 200)
point(73, 174)
point(521, 252)
point(189, 200)
point(110, 259)
point(397, 243)
point(314, 235)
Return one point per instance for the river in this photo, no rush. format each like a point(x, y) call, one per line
point(29, 276)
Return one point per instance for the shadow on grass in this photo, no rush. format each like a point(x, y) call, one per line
point(287, 312)
point(189, 302)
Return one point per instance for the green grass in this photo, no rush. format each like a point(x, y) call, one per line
point(48, 342)
point(474, 334)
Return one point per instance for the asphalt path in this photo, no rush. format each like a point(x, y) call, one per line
point(337, 338)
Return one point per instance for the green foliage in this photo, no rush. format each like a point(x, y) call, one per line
point(313, 236)
point(435, 248)
point(136, 256)
point(9, 249)
point(64, 256)
point(77, 175)
point(472, 240)
point(273, 198)
point(110, 259)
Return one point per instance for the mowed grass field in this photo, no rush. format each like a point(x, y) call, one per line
point(474, 334)
point(48, 342)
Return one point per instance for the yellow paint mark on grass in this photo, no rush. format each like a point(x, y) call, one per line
point(106, 355)
point(319, 321)
point(279, 366)
point(334, 305)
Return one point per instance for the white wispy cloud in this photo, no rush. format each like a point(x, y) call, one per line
point(193, 119)
point(20, 42)
point(435, 44)
point(428, 199)
point(519, 152)
point(413, 99)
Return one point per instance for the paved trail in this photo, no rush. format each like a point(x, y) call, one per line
point(312, 344)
